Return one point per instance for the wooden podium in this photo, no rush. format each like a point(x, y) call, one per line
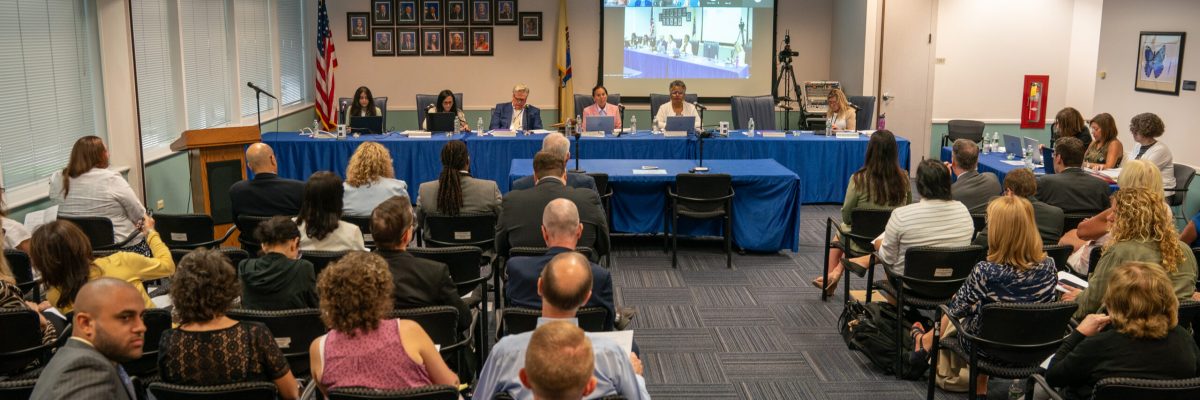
point(216, 159)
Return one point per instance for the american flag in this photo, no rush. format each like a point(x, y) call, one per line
point(326, 63)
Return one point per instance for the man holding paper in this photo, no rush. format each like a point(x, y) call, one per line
point(517, 115)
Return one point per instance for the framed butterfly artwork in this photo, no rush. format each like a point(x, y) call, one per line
point(1160, 58)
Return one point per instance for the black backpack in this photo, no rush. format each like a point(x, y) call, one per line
point(871, 329)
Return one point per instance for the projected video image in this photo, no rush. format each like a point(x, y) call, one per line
point(687, 42)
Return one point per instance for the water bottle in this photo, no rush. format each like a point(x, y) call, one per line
point(479, 125)
point(750, 125)
point(654, 126)
point(578, 125)
point(633, 124)
point(316, 126)
point(1029, 157)
point(1016, 391)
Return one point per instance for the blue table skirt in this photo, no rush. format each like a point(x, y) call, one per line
point(766, 204)
point(658, 66)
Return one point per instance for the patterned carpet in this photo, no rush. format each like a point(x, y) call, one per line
point(758, 331)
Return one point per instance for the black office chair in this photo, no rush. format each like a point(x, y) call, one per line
point(17, 389)
point(866, 111)
point(364, 226)
point(234, 391)
point(931, 277)
point(866, 226)
point(1119, 388)
point(1094, 260)
point(424, 101)
point(606, 193)
point(760, 108)
point(99, 231)
point(1072, 220)
point(431, 392)
point(1183, 178)
point(1017, 337)
point(247, 225)
point(23, 340)
point(157, 321)
point(322, 259)
point(440, 322)
point(980, 222)
point(466, 270)
point(521, 320)
point(700, 196)
point(599, 241)
point(1060, 254)
point(477, 230)
point(188, 231)
point(22, 270)
point(963, 129)
point(294, 331)
point(233, 254)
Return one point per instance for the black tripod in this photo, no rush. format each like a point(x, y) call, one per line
point(787, 77)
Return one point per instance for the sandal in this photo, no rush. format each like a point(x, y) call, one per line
point(920, 355)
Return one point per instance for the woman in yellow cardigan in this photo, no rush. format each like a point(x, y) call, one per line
point(63, 255)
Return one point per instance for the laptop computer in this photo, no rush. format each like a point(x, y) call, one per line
point(681, 124)
point(366, 125)
point(1012, 146)
point(441, 122)
point(599, 123)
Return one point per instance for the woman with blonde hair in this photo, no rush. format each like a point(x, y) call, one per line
point(1144, 339)
point(1016, 270)
point(1106, 151)
point(1134, 174)
point(362, 348)
point(1142, 229)
point(370, 179)
point(841, 116)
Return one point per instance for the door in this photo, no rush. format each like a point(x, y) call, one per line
point(906, 72)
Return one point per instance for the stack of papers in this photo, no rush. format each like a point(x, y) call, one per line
point(675, 133)
point(593, 134)
point(503, 133)
point(774, 134)
point(417, 134)
point(539, 132)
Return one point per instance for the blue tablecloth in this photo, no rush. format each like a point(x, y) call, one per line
point(650, 65)
point(994, 163)
point(766, 205)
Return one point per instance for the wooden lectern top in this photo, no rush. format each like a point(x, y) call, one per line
point(217, 137)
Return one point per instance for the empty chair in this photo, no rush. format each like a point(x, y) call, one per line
point(477, 230)
point(658, 99)
point(238, 391)
point(188, 231)
point(431, 392)
point(583, 101)
point(294, 331)
point(963, 129)
point(1183, 179)
point(424, 101)
point(22, 342)
point(99, 231)
point(321, 259)
point(866, 110)
point(521, 320)
point(701, 196)
point(868, 225)
point(760, 108)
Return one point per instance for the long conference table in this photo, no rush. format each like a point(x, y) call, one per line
point(653, 65)
point(999, 164)
point(824, 164)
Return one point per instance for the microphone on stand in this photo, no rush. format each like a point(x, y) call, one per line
point(621, 110)
point(578, 139)
point(701, 168)
point(258, 105)
point(260, 90)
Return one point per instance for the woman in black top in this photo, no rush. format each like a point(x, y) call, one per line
point(1144, 339)
point(1069, 122)
point(208, 348)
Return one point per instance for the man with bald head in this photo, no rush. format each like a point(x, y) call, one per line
point(557, 144)
point(108, 330)
point(565, 285)
point(266, 194)
point(561, 230)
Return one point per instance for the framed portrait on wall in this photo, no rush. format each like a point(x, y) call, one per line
point(383, 42)
point(457, 40)
point(481, 12)
point(381, 12)
point(1160, 58)
point(407, 12)
point(530, 25)
point(456, 12)
point(506, 12)
point(481, 42)
point(432, 41)
point(358, 26)
point(408, 42)
point(431, 12)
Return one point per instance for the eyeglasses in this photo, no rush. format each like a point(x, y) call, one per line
point(676, 93)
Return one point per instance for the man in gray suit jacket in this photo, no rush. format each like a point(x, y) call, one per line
point(520, 221)
point(557, 144)
point(108, 330)
point(1049, 219)
point(972, 188)
point(1071, 188)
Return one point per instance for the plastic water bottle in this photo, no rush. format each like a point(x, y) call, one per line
point(479, 125)
point(633, 124)
point(578, 124)
point(316, 126)
point(1029, 157)
point(750, 125)
point(654, 126)
point(1016, 391)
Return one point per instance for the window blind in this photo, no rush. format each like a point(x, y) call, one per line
point(292, 50)
point(255, 56)
point(206, 74)
point(156, 76)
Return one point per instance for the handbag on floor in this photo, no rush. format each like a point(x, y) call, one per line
point(871, 329)
point(953, 372)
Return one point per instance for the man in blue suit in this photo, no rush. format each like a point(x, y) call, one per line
point(527, 117)
point(561, 230)
point(556, 143)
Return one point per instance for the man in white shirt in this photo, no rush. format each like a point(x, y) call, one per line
point(517, 115)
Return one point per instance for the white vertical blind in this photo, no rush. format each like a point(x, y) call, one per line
point(292, 60)
point(49, 75)
point(255, 57)
point(206, 75)
point(156, 76)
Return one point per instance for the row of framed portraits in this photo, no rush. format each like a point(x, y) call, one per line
point(386, 42)
point(440, 12)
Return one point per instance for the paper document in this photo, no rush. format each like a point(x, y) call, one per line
point(1046, 364)
point(37, 218)
point(163, 301)
point(503, 133)
point(675, 134)
point(417, 134)
point(1069, 280)
point(539, 132)
point(1112, 173)
point(593, 134)
point(649, 172)
point(622, 338)
point(1015, 163)
point(773, 134)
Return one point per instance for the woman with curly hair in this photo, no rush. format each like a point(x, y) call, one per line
point(370, 180)
point(1146, 129)
point(1106, 151)
point(1142, 229)
point(320, 219)
point(209, 348)
point(1144, 339)
point(362, 349)
point(1094, 231)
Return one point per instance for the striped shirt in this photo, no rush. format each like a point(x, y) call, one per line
point(942, 223)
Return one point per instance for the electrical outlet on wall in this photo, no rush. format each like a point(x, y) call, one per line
point(159, 205)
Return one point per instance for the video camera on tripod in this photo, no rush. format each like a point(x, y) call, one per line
point(785, 55)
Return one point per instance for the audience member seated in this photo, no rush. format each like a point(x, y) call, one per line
point(362, 349)
point(320, 218)
point(559, 363)
point(1146, 129)
point(517, 115)
point(1016, 271)
point(370, 180)
point(1021, 183)
point(267, 194)
point(456, 191)
point(418, 282)
point(447, 103)
point(16, 236)
point(1188, 235)
point(1140, 337)
point(557, 144)
point(107, 330)
point(1070, 187)
point(62, 254)
point(208, 348)
point(1093, 231)
point(601, 108)
point(11, 298)
point(677, 107)
point(879, 185)
point(972, 188)
point(841, 116)
point(521, 210)
point(565, 285)
point(280, 279)
point(561, 230)
point(1069, 123)
point(1142, 229)
point(87, 188)
point(1106, 151)
point(363, 105)
point(936, 220)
